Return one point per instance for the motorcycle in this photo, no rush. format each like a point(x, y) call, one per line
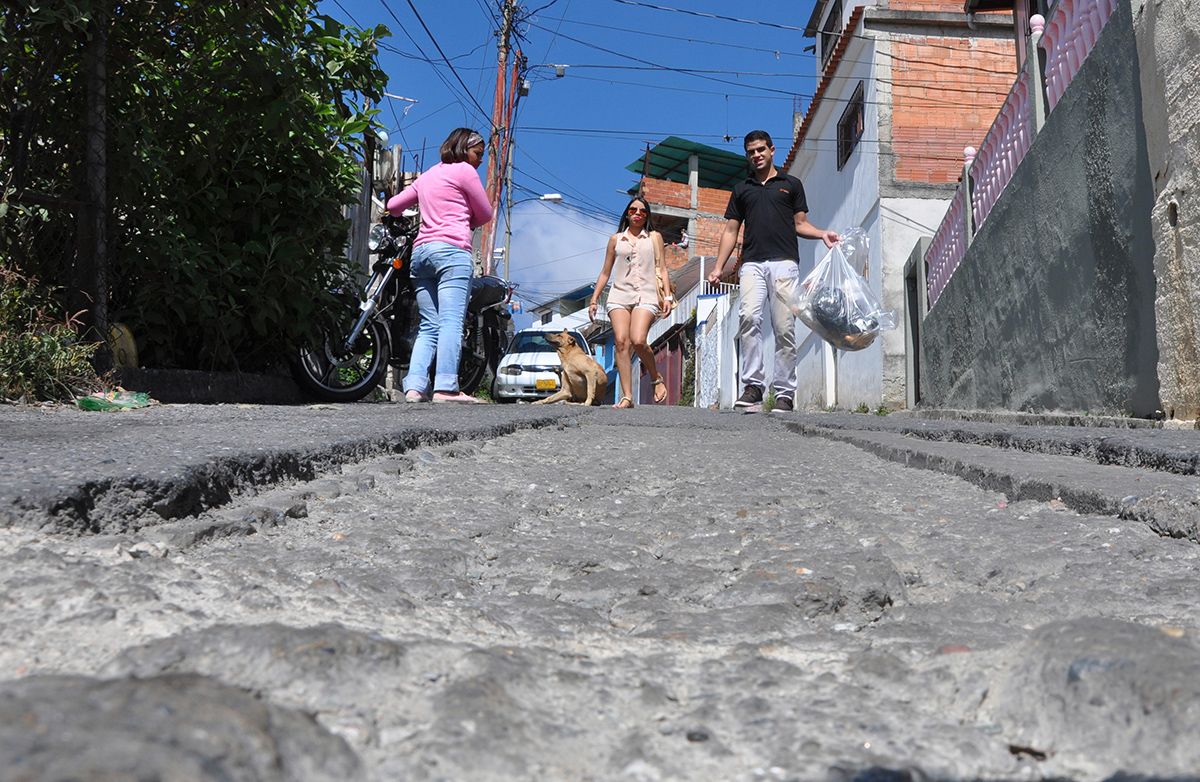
point(349, 364)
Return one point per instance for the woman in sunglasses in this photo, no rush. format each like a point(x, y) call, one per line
point(633, 302)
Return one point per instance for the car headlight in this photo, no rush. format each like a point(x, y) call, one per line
point(511, 369)
point(378, 237)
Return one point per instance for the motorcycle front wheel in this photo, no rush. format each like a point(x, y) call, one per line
point(331, 374)
point(471, 368)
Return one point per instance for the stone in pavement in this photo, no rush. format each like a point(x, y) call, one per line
point(647, 595)
point(170, 727)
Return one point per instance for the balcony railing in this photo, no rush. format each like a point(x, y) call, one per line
point(949, 245)
point(1074, 27)
point(1072, 31)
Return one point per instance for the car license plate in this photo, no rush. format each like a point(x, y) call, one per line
point(547, 383)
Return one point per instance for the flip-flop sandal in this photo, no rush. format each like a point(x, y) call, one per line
point(621, 404)
point(663, 398)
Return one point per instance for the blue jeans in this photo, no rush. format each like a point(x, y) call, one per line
point(441, 274)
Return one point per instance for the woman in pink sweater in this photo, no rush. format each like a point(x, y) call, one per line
point(452, 203)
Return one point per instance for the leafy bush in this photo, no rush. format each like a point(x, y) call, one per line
point(234, 144)
point(41, 357)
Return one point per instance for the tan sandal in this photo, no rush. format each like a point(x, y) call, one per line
point(659, 399)
point(621, 404)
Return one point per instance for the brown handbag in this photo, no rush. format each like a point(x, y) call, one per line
point(658, 283)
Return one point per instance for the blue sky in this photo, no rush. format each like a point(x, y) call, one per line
point(636, 73)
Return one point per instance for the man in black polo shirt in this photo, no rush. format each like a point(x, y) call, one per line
point(773, 209)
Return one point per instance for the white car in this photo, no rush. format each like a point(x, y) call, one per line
point(529, 369)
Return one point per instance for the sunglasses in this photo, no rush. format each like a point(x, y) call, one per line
point(635, 210)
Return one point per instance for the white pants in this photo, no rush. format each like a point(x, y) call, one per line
point(759, 282)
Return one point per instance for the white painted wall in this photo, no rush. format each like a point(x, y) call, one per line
point(903, 221)
point(841, 200)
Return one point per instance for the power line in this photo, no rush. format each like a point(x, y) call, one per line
point(437, 71)
point(569, 188)
point(689, 71)
point(660, 65)
point(564, 258)
point(926, 82)
point(696, 73)
point(347, 13)
point(685, 89)
point(550, 45)
point(660, 36)
point(712, 16)
point(437, 46)
point(422, 58)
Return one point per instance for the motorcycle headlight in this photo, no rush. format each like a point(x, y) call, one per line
point(378, 237)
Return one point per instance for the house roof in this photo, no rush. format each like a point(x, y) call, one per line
point(668, 160)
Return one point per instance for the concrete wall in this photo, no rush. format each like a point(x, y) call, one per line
point(903, 222)
point(1053, 305)
point(1167, 36)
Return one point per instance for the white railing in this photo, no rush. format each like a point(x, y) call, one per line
point(1069, 36)
point(1003, 149)
point(1074, 28)
point(950, 242)
point(684, 307)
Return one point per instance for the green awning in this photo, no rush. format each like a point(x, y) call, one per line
point(668, 161)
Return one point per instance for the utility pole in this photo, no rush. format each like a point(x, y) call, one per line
point(507, 75)
point(508, 213)
point(94, 249)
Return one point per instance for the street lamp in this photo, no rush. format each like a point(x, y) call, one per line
point(554, 198)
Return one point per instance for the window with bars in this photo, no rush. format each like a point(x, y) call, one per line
point(850, 127)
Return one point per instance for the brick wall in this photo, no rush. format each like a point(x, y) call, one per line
point(708, 199)
point(946, 93)
point(660, 191)
point(707, 238)
point(713, 201)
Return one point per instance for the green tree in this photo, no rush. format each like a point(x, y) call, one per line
point(235, 134)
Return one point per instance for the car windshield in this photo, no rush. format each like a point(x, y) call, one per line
point(535, 342)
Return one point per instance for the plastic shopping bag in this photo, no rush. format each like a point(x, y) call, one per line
point(836, 302)
point(113, 400)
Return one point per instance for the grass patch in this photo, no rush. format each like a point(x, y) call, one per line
point(42, 356)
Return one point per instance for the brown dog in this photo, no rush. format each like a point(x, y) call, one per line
point(583, 380)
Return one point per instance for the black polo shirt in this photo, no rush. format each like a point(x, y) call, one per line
point(767, 213)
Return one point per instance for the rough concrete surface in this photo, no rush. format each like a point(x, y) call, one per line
point(1169, 60)
point(656, 594)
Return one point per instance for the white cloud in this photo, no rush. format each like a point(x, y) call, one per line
point(554, 249)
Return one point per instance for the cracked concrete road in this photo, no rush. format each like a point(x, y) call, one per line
point(657, 594)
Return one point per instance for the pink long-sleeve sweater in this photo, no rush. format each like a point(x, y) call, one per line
point(452, 201)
